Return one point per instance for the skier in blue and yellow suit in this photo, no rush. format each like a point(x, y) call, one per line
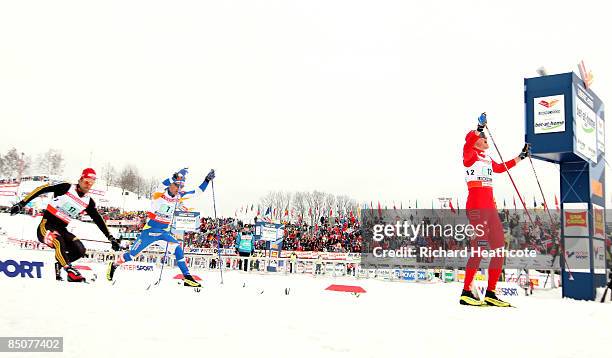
point(159, 224)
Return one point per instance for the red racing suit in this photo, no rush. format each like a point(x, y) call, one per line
point(480, 205)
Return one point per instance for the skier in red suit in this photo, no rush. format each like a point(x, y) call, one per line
point(481, 210)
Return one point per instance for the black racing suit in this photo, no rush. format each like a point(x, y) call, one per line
point(68, 247)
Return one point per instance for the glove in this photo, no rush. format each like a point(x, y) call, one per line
point(211, 175)
point(525, 151)
point(15, 209)
point(114, 243)
point(482, 121)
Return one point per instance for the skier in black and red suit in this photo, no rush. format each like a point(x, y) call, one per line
point(69, 201)
point(481, 210)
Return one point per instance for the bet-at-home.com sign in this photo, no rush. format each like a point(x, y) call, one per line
point(549, 114)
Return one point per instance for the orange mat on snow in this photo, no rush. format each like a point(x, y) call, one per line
point(346, 288)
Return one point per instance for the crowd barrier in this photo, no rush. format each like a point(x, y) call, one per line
point(326, 264)
point(287, 266)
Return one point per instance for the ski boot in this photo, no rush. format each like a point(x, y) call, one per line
point(492, 300)
point(73, 274)
point(110, 270)
point(468, 299)
point(58, 272)
point(188, 280)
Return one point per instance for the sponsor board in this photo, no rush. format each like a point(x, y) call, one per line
point(599, 224)
point(186, 220)
point(121, 222)
point(577, 254)
point(585, 125)
point(285, 254)
point(535, 279)
point(136, 267)
point(268, 231)
point(477, 277)
point(599, 256)
point(340, 269)
point(549, 114)
point(362, 273)
point(575, 219)
point(384, 273)
point(601, 135)
point(324, 255)
point(28, 244)
point(503, 289)
point(212, 251)
point(26, 269)
point(411, 275)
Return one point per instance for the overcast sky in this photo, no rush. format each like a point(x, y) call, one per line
point(366, 98)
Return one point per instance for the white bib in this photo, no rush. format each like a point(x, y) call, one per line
point(67, 207)
point(162, 208)
point(480, 174)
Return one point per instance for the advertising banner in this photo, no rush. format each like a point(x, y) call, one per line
point(549, 114)
point(585, 126)
point(575, 219)
point(186, 220)
point(599, 256)
point(578, 254)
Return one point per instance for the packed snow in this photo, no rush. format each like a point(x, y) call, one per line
point(250, 314)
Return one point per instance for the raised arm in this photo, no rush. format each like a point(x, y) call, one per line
point(58, 189)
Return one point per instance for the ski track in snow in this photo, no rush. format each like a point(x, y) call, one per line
point(393, 319)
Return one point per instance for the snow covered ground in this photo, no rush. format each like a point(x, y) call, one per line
point(251, 315)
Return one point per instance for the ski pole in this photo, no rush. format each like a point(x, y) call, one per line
point(509, 175)
point(511, 180)
point(212, 183)
point(552, 223)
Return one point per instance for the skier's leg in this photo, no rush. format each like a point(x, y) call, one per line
point(46, 237)
point(496, 241)
point(66, 252)
point(467, 297)
point(142, 242)
point(476, 220)
point(74, 248)
point(175, 247)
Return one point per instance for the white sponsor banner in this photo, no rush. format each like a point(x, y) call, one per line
point(186, 220)
point(120, 222)
point(599, 256)
point(537, 279)
point(502, 289)
point(601, 135)
point(9, 189)
point(270, 232)
point(212, 251)
point(549, 114)
point(578, 254)
point(585, 123)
